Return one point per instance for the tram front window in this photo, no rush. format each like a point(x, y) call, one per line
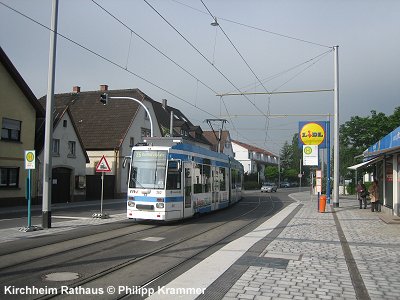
point(148, 168)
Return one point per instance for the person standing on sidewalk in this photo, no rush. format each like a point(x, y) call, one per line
point(374, 193)
point(362, 194)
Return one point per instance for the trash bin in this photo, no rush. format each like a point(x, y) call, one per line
point(322, 203)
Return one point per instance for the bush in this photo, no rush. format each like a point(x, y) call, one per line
point(251, 185)
point(351, 188)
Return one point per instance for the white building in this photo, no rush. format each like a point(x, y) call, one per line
point(253, 159)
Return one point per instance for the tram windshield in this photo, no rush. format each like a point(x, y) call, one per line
point(148, 169)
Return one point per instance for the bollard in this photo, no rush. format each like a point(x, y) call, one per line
point(322, 203)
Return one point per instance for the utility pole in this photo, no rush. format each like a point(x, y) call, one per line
point(218, 138)
point(336, 129)
point(48, 137)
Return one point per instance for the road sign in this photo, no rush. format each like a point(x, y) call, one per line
point(30, 159)
point(103, 165)
point(310, 155)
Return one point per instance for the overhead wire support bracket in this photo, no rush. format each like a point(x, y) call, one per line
point(274, 93)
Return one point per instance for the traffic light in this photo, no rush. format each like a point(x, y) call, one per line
point(104, 98)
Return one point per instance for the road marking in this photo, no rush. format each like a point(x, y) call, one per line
point(73, 218)
point(153, 239)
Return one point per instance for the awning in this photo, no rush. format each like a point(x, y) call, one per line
point(365, 163)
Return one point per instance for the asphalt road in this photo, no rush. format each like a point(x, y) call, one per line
point(128, 253)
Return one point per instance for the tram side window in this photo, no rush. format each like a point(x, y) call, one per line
point(239, 179)
point(222, 179)
point(233, 178)
point(207, 178)
point(173, 177)
point(198, 184)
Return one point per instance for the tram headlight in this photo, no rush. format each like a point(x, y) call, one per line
point(160, 205)
point(131, 204)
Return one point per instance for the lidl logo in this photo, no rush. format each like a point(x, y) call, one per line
point(312, 134)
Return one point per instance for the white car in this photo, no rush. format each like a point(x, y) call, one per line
point(268, 188)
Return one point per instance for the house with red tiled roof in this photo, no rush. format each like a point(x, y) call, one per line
point(253, 159)
point(113, 129)
point(225, 141)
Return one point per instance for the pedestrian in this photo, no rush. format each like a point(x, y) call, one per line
point(362, 194)
point(374, 194)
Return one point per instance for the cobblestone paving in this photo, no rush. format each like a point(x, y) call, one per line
point(317, 268)
point(376, 248)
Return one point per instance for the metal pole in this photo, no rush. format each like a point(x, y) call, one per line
point(328, 159)
point(102, 193)
point(219, 138)
point(29, 199)
point(145, 108)
point(336, 130)
point(171, 124)
point(48, 138)
point(300, 175)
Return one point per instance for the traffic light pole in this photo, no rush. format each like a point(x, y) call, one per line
point(104, 99)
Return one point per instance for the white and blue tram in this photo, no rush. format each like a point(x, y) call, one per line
point(170, 179)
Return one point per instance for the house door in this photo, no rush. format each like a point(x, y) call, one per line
point(61, 185)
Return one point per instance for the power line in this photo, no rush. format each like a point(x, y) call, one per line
point(152, 46)
point(250, 68)
point(290, 69)
point(201, 54)
point(108, 60)
point(256, 28)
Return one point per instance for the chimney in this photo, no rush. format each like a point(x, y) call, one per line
point(103, 87)
point(76, 89)
point(164, 103)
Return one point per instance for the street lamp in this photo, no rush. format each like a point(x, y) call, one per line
point(104, 99)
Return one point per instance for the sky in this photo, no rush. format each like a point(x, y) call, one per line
point(169, 50)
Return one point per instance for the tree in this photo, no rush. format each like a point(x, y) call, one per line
point(359, 133)
point(271, 173)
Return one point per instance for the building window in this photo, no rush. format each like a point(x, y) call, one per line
point(9, 177)
point(56, 147)
point(131, 142)
point(11, 130)
point(71, 149)
point(145, 132)
point(65, 122)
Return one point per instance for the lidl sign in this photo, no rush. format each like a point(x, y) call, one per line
point(313, 133)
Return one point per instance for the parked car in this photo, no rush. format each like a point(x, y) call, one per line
point(285, 184)
point(268, 187)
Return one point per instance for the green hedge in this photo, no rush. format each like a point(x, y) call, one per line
point(252, 185)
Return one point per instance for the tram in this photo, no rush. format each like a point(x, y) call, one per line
point(171, 179)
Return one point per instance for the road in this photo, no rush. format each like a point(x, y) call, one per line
point(127, 253)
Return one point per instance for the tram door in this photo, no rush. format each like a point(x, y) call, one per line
point(188, 189)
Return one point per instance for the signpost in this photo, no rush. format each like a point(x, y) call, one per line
point(102, 167)
point(30, 164)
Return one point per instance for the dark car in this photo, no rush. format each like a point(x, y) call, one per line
point(285, 184)
point(268, 187)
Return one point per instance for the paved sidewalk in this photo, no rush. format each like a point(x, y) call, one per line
point(317, 267)
point(70, 223)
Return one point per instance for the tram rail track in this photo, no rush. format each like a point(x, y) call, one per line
point(128, 263)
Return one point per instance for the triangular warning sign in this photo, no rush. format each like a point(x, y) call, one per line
point(103, 165)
